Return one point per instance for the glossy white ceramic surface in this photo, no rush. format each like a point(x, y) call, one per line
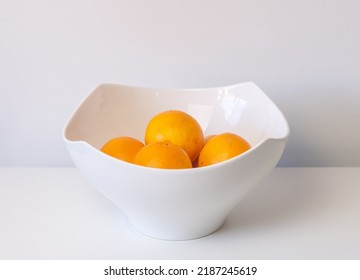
point(176, 204)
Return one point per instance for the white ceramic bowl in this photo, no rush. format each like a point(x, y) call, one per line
point(184, 203)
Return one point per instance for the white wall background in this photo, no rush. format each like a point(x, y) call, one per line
point(304, 54)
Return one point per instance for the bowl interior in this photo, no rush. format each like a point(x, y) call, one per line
point(116, 110)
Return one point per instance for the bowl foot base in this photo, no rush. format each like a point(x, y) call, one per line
point(178, 236)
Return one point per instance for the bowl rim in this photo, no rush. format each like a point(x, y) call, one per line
point(207, 168)
point(184, 170)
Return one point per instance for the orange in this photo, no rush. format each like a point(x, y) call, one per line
point(222, 147)
point(124, 148)
point(178, 128)
point(162, 155)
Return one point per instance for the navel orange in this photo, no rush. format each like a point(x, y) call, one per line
point(123, 148)
point(222, 147)
point(178, 128)
point(162, 155)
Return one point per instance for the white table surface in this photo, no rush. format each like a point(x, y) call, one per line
point(297, 213)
